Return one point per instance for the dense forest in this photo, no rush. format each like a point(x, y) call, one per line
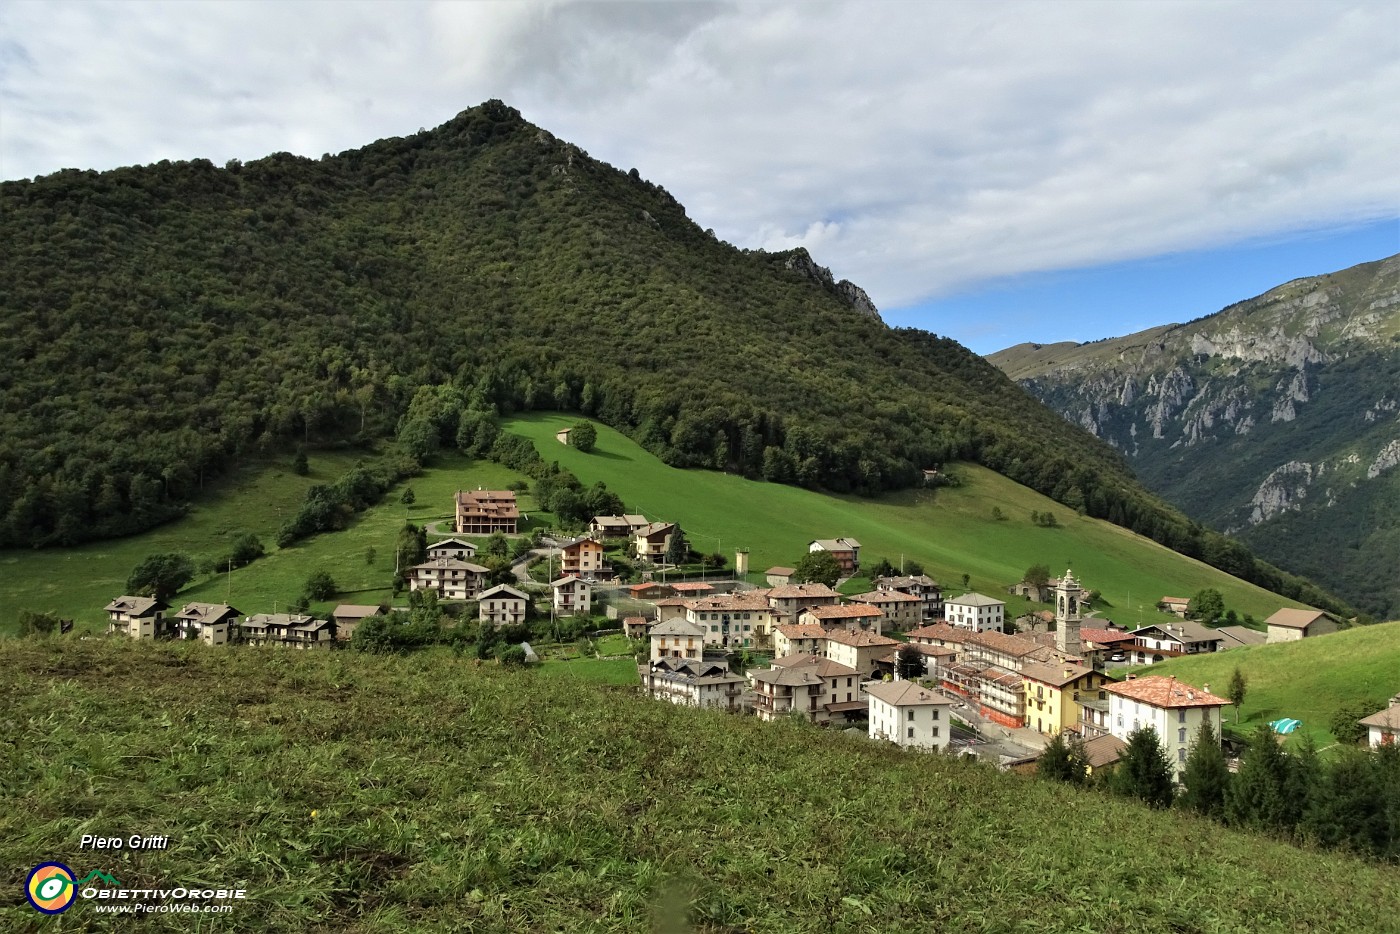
point(160, 322)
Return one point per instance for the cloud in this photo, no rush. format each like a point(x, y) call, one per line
point(917, 149)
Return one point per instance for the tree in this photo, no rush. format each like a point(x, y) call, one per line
point(247, 548)
point(301, 467)
point(1038, 575)
point(511, 656)
point(913, 568)
point(967, 581)
point(882, 568)
point(1063, 761)
point(583, 436)
point(998, 515)
point(1258, 795)
point(161, 575)
point(408, 498)
point(36, 624)
point(370, 554)
point(909, 662)
point(1207, 605)
point(677, 548)
point(817, 567)
point(1344, 723)
point(1144, 772)
point(1239, 685)
point(319, 586)
point(1207, 776)
point(497, 546)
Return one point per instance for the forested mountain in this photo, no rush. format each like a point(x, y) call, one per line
point(160, 321)
point(1276, 419)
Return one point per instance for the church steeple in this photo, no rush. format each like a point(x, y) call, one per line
point(1068, 598)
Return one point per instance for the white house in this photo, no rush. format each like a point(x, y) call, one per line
point(210, 623)
point(137, 617)
point(908, 714)
point(502, 605)
point(693, 683)
point(457, 548)
point(451, 578)
point(1383, 728)
point(677, 638)
point(1173, 708)
point(975, 611)
point(572, 595)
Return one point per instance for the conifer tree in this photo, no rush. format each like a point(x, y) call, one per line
point(1144, 772)
point(1207, 777)
point(1258, 795)
point(1062, 761)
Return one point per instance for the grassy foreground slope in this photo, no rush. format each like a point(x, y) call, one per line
point(1308, 680)
point(950, 531)
point(415, 793)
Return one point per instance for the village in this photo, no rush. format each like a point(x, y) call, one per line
point(901, 663)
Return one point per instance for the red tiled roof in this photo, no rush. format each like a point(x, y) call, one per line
point(843, 611)
point(886, 596)
point(1162, 691)
point(692, 587)
point(858, 640)
point(939, 631)
point(804, 631)
point(791, 591)
point(1105, 636)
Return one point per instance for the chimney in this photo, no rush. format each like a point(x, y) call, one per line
point(1206, 687)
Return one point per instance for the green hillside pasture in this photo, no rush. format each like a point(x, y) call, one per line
point(1308, 680)
point(79, 582)
point(949, 530)
point(419, 793)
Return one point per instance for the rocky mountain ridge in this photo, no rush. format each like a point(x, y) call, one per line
point(1285, 406)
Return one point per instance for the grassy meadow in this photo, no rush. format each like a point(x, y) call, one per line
point(426, 792)
point(949, 530)
point(1307, 680)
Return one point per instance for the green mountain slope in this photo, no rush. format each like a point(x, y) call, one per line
point(159, 323)
point(350, 792)
point(1277, 419)
point(950, 531)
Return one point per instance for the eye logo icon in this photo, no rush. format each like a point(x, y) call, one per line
point(51, 888)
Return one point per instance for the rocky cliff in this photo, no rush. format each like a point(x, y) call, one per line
point(1276, 419)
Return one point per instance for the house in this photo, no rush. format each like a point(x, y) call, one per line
point(858, 650)
point(901, 610)
point(485, 512)
point(573, 596)
point(692, 589)
point(210, 623)
point(137, 617)
point(635, 627)
point(457, 548)
point(652, 540)
point(796, 639)
point(777, 576)
point(1152, 644)
point(287, 630)
point(998, 693)
point(843, 698)
point(1288, 625)
point(780, 692)
point(610, 526)
point(1235, 637)
point(852, 616)
point(1104, 643)
point(907, 714)
point(562, 435)
point(788, 600)
point(348, 616)
point(1383, 727)
point(452, 579)
point(1173, 708)
point(502, 605)
point(916, 585)
point(649, 591)
point(976, 612)
point(670, 608)
point(1176, 606)
point(1103, 752)
point(692, 682)
point(930, 657)
point(583, 557)
point(846, 551)
point(1039, 593)
point(1037, 621)
point(732, 620)
point(677, 638)
point(1062, 697)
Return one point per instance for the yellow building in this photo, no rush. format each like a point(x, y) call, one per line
point(1059, 697)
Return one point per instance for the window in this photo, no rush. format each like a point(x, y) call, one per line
point(911, 716)
point(1181, 755)
point(935, 732)
point(1181, 735)
point(911, 732)
point(935, 717)
point(1181, 716)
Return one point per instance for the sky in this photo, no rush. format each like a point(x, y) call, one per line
point(993, 171)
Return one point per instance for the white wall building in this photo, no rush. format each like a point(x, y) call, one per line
point(502, 605)
point(908, 714)
point(975, 611)
point(677, 638)
point(1171, 707)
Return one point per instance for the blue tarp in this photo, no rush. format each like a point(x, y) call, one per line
point(1285, 726)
